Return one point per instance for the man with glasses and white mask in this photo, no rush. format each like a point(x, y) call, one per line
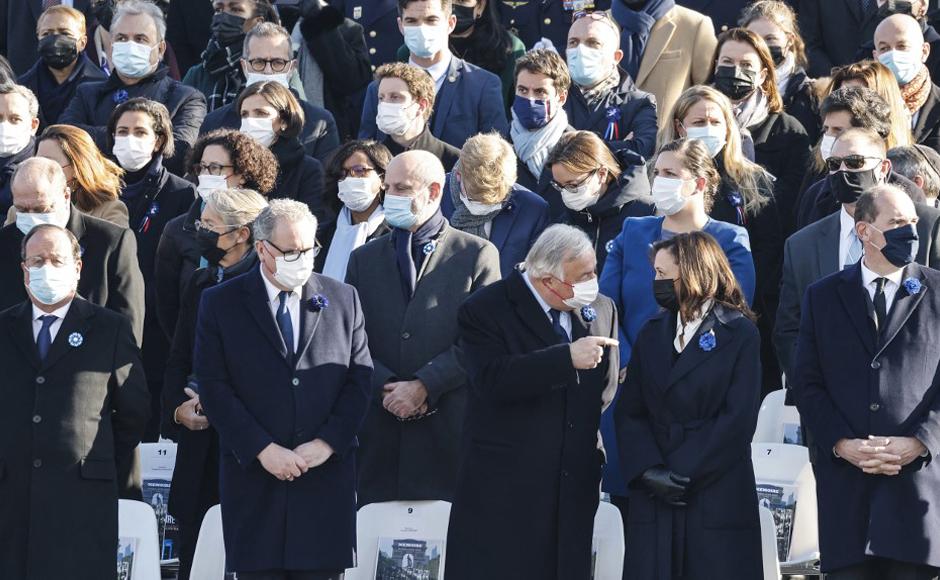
point(268, 56)
point(75, 404)
point(284, 377)
point(19, 120)
point(412, 283)
point(137, 31)
point(111, 276)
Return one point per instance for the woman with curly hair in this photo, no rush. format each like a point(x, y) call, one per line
point(220, 160)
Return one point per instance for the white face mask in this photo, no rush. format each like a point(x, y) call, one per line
point(294, 274)
point(209, 183)
point(27, 221)
point(905, 65)
point(712, 136)
point(584, 293)
point(394, 118)
point(133, 153)
point(825, 146)
point(14, 137)
point(667, 195)
point(259, 129)
point(132, 59)
point(281, 78)
point(587, 66)
point(426, 41)
point(585, 195)
point(478, 208)
point(357, 193)
point(50, 284)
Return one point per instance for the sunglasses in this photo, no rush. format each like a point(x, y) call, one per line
point(852, 162)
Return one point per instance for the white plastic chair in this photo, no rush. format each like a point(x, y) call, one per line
point(768, 543)
point(777, 422)
point(788, 467)
point(608, 543)
point(137, 521)
point(419, 520)
point(209, 559)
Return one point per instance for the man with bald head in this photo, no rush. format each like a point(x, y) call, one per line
point(867, 386)
point(900, 46)
point(411, 283)
point(111, 277)
point(75, 405)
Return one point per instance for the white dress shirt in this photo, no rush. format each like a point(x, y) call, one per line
point(293, 305)
point(869, 279)
point(565, 319)
point(846, 234)
point(685, 333)
point(59, 313)
point(437, 70)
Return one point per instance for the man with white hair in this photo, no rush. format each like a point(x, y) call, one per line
point(138, 32)
point(540, 352)
point(412, 282)
point(19, 120)
point(284, 372)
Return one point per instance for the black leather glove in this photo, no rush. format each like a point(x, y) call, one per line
point(666, 485)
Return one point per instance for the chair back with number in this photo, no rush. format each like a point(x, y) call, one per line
point(137, 533)
point(768, 544)
point(608, 547)
point(209, 559)
point(777, 422)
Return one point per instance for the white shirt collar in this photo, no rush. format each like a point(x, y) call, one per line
point(438, 69)
point(688, 331)
point(846, 222)
point(59, 312)
point(273, 290)
point(545, 305)
point(868, 276)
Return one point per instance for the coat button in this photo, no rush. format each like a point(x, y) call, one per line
point(37, 463)
point(405, 336)
point(876, 364)
point(874, 407)
point(564, 473)
point(512, 22)
point(371, 51)
point(373, 68)
point(40, 380)
point(547, 21)
point(295, 381)
point(570, 425)
point(37, 419)
point(372, 34)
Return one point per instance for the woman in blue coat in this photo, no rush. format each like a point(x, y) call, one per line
point(685, 422)
point(684, 186)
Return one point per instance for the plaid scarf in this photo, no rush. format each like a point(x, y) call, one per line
point(222, 64)
point(916, 92)
point(597, 95)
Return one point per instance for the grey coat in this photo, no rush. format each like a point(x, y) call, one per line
point(416, 460)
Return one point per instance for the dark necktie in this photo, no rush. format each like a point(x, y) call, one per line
point(284, 323)
point(881, 303)
point(556, 325)
point(44, 339)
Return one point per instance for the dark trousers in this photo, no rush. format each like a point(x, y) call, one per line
point(884, 569)
point(288, 575)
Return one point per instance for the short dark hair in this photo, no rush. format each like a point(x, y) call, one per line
point(913, 160)
point(73, 241)
point(866, 208)
point(254, 162)
point(162, 123)
point(545, 62)
point(446, 5)
point(377, 153)
point(866, 107)
point(288, 108)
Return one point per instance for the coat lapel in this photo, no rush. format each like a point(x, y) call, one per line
point(76, 324)
point(430, 262)
point(22, 331)
point(903, 307)
point(529, 309)
point(256, 302)
point(854, 298)
point(445, 98)
point(660, 36)
point(502, 225)
point(309, 317)
point(928, 114)
point(693, 355)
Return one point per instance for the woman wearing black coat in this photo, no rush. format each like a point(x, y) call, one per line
point(597, 195)
point(141, 136)
point(224, 237)
point(685, 419)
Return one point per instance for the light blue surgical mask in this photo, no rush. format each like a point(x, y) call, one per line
point(425, 41)
point(712, 136)
point(398, 212)
point(586, 65)
point(132, 59)
point(50, 284)
point(26, 221)
point(905, 65)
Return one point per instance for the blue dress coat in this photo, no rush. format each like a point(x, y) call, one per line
point(469, 102)
point(627, 278)
point(852, 382)
point(515, 228)
point(254, 395)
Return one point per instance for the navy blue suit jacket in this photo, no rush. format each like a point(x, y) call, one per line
point(633, 111)
point(254, 396)
point(852, 382)
point(469, 102)
point(515, 228)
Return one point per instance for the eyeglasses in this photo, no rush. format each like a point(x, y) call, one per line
point(852, 162)
point(571, 186)
point(211, 168)
point(599, 16)
point(201, 225)
point(295, 255)
point(356, 171)
point(259, 64)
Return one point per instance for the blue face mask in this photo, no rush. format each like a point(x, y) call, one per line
point(398, 212)
point(531, 113)
point(901, 245)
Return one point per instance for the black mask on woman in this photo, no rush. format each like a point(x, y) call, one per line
point(735, 82)
point(58, 50)
point(777, 54)
point(208, 242)
point(228, 29)
point(848, 186)
point(465, 18)
point(664, 291)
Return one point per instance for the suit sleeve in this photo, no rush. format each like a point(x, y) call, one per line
point(742, 263)
point(179, 365)
point(787, 326)
point(126, 283)
point(327, 139)
point(443, 373)
point(351, 406)
point(810, 21)
point(613, 363)
point(704, 52)
point(725, 440)
point(186, 124)
point(370, 108)
point(168, 268)
point(638, 448)
point(492, 112)
point(818, 411)
point(644, 126)
point(237, 427)
point(130, 409)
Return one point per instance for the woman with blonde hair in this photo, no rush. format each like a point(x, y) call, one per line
point(873, 75)
point(93, 179)
point(598, 195)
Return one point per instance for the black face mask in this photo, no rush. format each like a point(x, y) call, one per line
point(103, 11)
point(664, 291)
point(892, 7)
point(208, 242)
point(228, 29)
point(735, 82)
point(465, 18)
point(58, 51)
point(901, 245)
point(848, 186)
point(778, 54)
